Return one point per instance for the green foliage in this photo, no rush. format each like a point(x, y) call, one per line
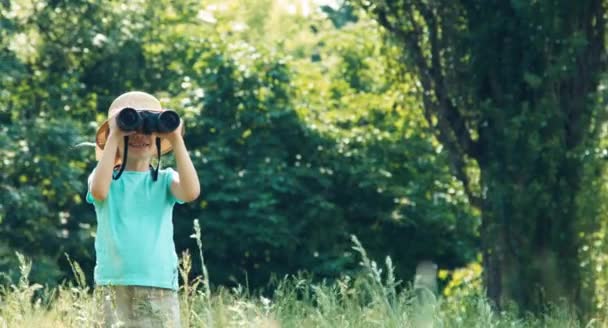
point(295, 152)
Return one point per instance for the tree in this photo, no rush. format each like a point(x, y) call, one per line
point(511, 88)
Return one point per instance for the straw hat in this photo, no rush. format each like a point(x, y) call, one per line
point(133, 99)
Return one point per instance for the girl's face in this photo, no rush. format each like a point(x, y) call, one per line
point(141, 146)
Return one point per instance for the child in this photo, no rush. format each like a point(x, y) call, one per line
point(136, 268)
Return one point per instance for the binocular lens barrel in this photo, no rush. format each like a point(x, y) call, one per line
point(168, 121)
point(128, 119)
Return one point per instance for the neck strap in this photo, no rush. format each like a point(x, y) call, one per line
point(115, 175)
point(152, 170)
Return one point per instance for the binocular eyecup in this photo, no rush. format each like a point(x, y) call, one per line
point(146, 121)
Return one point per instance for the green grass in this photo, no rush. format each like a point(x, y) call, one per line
point(373, 299)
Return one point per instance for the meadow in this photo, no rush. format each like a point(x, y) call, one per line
point(374, 298)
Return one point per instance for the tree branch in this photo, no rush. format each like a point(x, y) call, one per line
point(449, 120)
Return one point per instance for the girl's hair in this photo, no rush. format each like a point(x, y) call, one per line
point(117, 159)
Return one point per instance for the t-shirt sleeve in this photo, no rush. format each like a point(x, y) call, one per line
point(170, 176)
point(90, 199)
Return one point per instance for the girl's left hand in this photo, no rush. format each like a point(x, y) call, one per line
point(175, 135)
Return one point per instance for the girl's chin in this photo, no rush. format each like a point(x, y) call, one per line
point(139, 153)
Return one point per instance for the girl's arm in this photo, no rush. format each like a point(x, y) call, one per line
point(186, 187)
point(102, 177)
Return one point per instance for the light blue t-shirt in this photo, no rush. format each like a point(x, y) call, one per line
point(134, 243)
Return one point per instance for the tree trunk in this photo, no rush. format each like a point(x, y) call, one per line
point(531, 254)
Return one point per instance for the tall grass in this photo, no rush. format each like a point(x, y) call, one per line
point(372, 299)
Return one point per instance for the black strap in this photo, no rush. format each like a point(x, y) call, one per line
point(115, 175)
point(152, 170)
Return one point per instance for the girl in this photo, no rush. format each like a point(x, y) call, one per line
point(136, 267)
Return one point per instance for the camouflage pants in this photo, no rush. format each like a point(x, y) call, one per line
point(138, 306)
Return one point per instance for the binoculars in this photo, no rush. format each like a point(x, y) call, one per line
point(146, 121)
